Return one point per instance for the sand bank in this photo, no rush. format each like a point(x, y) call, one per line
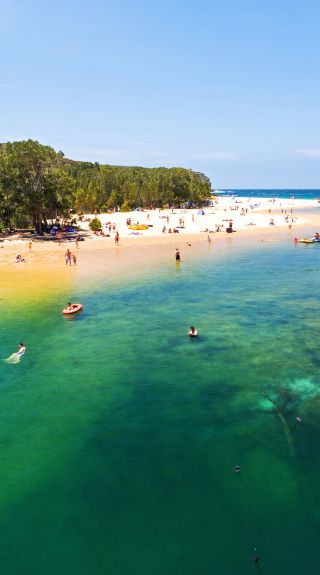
point(45, 272)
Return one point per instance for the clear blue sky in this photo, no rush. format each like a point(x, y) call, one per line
point(230, 88)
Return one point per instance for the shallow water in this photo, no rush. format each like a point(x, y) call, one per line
point(119, 435)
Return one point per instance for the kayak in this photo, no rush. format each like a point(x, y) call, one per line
point(73, 308)
point(307, 241)
point(139, 227)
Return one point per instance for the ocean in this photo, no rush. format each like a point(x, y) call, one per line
point(281, 194)
point(120, 435)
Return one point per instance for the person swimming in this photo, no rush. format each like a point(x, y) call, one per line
point(193, 332)
point(22, 349)
point(17, 355)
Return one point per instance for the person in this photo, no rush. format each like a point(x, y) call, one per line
point(192, 332)
point(74, 259)
point(236, 469)
point(19, 259)
point(116, 238)
point(209, 239)
point(22, 349)
point(68, 257)
point(177, 255)
point(30, 245)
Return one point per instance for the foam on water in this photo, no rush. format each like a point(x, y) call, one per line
point(13, 358)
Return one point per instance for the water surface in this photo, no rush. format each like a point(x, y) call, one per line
point(119, 435)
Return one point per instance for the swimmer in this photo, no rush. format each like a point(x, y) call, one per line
point(188, 244)
point(236, 469)
point(298, 419)
point(193, 332)
point(22, 349)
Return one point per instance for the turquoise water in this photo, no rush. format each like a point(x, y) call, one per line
point(275, 193)
point(119, 435)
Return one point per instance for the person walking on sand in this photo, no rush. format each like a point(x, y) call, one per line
point(116, 238)
point(74, 259)
point(68, 257)
point(30, 245)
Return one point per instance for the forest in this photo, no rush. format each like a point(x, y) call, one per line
point(38, 184)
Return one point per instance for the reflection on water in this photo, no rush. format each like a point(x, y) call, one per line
point(120, 435)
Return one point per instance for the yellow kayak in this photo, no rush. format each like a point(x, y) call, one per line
point(306, 241)
point(138, 227)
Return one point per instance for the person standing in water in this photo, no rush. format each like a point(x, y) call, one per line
point(68, 257)
point(177, 255)
point(116, 239)
point(193, 332)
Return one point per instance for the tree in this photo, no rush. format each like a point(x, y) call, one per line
point(95, 225)
point(37, 184)
point(31, 169)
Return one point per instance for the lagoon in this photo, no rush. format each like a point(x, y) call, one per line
point(119, 435)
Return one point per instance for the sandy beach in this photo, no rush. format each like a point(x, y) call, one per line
point(253, 220)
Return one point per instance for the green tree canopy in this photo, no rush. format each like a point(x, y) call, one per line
point(38, 184)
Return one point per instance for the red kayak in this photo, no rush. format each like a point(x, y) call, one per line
point(72, 308)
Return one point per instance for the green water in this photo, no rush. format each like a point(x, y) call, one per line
point(119, 435)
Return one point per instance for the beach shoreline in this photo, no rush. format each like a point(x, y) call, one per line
point(45, 271)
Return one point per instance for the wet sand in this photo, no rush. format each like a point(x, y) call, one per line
point(45, 272)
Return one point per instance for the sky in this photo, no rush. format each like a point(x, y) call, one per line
point(230, 88)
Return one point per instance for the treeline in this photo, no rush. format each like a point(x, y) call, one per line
point(38, 184)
